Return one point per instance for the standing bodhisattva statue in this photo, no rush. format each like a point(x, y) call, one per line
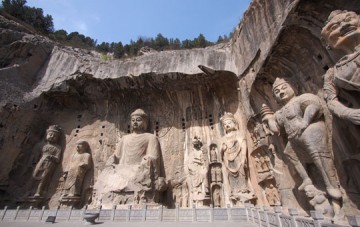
point(233, 150)
point(50, 158)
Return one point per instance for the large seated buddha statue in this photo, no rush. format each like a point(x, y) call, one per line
point(133, 173)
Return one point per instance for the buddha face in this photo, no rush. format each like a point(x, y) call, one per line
point(229, 125)
point(197, 142)
point(81, 147)
point(137, 123)
point(52, 136)
point(283, 93)
point(342, 31)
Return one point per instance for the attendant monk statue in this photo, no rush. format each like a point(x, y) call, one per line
point(197, 168)
point(80, 164)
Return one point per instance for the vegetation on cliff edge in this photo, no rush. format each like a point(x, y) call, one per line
point(44, 24)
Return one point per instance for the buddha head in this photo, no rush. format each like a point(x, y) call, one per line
point(53, 133)
point(229, 122)
point(139, 121)
point(342, 30)
point(197, 142)
point(283, 91)
point(82, 146)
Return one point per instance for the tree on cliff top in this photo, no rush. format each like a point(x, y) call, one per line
point(31, 15)
point(35, 17)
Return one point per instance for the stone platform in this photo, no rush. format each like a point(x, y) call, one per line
point(248, 216)
point(130, 224)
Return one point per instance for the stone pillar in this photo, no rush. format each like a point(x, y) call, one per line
point(266, 210)
point(69, 216)
point(42, 213)
point(113, 213)
point(252, 212)
point(128, 213)
point(56, 212)
point(257, 214)
point(318, 217)
point(278, 211)
point(4, 212)
point(177, 212)
point(28, 217)
point(211, 213)
point(354, 220)
point(85, 208)
point(100, 208)
point(228, 211)
point(293, 213)
point(144, 207)
point(16, 213)
point(247, 207)
point(161, 208)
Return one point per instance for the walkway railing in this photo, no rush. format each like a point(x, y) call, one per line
point(277, 217)
point(262, 217)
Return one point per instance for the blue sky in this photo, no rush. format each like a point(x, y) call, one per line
point(122, 20)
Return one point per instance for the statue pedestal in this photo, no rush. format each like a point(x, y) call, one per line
point(35, 201)
point(69, 201)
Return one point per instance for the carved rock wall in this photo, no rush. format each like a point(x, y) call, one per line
point(44, 83)
point(301, 55)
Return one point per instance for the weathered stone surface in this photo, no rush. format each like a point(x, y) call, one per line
point(43, 83)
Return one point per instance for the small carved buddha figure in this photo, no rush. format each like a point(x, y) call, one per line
point(80, 163)
point(272, 195)
point(50, 158)
point(233, 152)
point(213, 153)
point(302, 119)
point(342, 33)
point(217, 196)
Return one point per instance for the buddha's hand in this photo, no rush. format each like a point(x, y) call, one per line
point(353, 115)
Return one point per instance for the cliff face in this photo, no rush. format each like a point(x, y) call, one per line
point(43, 83)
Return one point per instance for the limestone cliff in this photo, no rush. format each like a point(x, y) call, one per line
point(44, 83)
